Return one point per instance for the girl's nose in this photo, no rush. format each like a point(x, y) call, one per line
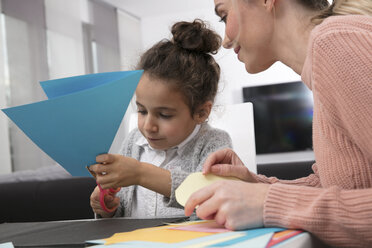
point(150, 125)
point(227, 43)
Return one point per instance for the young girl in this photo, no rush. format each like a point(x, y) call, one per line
point(174, 98)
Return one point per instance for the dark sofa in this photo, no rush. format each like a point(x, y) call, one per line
point(68, 198)
point(60, 199)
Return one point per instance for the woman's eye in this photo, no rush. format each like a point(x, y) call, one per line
point(223, 18)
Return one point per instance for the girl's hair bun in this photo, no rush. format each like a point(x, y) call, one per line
point(195, 37)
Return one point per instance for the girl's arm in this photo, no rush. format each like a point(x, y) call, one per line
point(155, 178)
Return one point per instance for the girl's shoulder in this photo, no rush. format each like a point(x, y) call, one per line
point(130, 140)
point(207, 132)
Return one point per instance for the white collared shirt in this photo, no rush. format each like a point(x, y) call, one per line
point(141, 207)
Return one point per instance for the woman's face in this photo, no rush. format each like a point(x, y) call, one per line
point(249, 31)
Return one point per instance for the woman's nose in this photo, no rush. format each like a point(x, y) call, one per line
point(227, 43)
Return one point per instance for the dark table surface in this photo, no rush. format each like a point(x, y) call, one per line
point(72, 233)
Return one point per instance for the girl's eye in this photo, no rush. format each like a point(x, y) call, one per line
point(142, 112)
point(164, 116)
point(223, 18)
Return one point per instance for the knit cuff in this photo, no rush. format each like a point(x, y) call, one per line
point(285, 205)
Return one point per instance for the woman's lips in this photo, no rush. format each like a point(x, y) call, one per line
point(236, 49)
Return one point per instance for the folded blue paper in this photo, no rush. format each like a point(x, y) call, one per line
point(80, 118)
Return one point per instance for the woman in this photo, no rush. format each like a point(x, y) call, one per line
point(331, 47)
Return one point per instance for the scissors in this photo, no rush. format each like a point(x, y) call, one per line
point(103, 192)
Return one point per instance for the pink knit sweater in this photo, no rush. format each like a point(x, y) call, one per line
point(334, 203)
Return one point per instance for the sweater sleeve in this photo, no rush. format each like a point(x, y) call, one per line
point(125, 193)
point(338, 217)
point(312, 180)
point(342, 68)
point(210, 142)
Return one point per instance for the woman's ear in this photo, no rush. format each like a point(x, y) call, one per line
point(269, 4)
point(202, 113)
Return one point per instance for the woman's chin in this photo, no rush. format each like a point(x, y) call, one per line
point(254, 68)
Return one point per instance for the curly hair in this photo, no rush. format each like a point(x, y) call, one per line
point(186, 62)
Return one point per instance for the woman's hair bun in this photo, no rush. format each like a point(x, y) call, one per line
point(196, 37)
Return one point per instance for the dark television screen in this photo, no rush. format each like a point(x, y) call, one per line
point(283, 116)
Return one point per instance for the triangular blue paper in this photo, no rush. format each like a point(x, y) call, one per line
point(80, 119)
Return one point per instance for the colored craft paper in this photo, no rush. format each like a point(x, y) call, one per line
point(175, 237)
point(80, 119)
point(7, 245)
point(208, 226)
point(257, 242)
point(135, 244)
point(202, 244)
point(281, 236)
point(249, 234)
point(155, 234)
point(193, 183)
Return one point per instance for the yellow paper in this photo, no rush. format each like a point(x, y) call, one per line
point(194, 182)
point(156, 234)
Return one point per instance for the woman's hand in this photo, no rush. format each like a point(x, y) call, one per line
point(236, 205)
point(227, 163)
point(114, 170)
point(111, 202)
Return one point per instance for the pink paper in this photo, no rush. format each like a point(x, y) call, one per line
point(210, 227)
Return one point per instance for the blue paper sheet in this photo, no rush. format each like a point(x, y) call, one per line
point(80, 119)
point(7, 245)
point(249, 234)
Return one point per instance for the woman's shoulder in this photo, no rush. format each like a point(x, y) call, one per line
point(344, 24)
point(337, 38)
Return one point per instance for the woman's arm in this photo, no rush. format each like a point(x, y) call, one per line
point(341, 218)
point(226, 162)
point(338, 217)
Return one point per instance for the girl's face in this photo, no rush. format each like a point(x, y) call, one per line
point(249, 31)
point(164, 119)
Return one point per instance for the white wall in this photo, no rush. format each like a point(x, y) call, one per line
point(64, 30)
point(5, 164)
point(130, 42)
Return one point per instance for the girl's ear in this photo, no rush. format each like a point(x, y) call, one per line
point(202, 113)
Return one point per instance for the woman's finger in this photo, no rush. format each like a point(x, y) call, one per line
point(207, 209)
point(198, 197)
point(229, 170)
point(214, 158)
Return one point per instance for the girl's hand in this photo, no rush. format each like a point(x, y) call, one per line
point(227, 163)
point(114, 170)
point(236, 205)
point(110, 200)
